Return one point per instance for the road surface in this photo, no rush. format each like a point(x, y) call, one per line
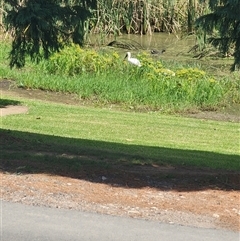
point(28, 223)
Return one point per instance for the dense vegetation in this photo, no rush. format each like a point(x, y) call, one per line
point(135, 16)
point(42, 27)
point(102, 77)
point(223, 27)
point(145, 16)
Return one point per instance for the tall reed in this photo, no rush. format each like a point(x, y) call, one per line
point(114, 17)
point(146, 16)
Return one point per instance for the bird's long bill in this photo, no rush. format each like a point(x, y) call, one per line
point(125, 57)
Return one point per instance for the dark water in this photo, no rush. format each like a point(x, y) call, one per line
point(162, 41)
point(171, 43)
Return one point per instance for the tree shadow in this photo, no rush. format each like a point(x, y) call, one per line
point(5, 102)
point(114, 163)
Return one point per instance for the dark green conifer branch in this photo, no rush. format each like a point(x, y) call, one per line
point(41, 27)
point(223, 27)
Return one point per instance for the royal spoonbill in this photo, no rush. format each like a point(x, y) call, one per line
point(132, 60)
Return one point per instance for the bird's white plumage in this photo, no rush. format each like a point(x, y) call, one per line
point(132, 60)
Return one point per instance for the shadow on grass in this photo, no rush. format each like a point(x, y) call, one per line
point(5, 102)
point(121, 164)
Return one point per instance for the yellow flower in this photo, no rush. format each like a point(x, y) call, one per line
point(168, 72)
point(212, 80)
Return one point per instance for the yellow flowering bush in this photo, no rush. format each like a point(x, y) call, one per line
point(73, 60)
point(190, 73)
point(153, 69)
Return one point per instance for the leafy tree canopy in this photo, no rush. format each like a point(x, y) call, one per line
point(223, 26)
point(41, 27)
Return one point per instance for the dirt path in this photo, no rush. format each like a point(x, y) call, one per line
point(193, 197)
point(13, 110)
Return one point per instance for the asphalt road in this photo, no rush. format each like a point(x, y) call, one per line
point(28, 223)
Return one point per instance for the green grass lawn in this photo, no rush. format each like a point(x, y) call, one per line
point(49, 131)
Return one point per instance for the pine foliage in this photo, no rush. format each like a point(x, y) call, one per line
point(41, 27)
point(223, 26)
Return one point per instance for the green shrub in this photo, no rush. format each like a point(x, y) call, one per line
point(73, 60)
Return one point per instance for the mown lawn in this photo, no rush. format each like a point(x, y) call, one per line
point(117, 136)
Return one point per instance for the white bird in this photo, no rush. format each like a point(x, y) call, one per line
point(132, 60)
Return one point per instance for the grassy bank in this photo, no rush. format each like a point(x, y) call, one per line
point(51, 131)
point(104, 78)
